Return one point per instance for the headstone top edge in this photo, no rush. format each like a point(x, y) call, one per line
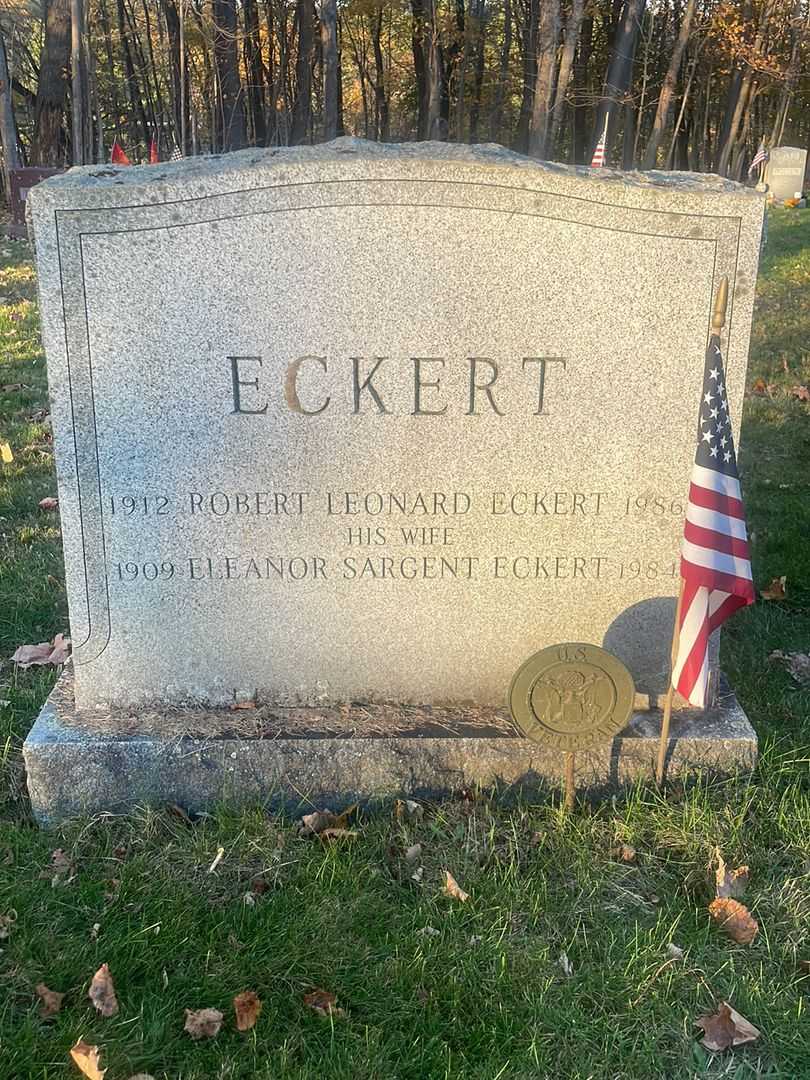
point(63, 190)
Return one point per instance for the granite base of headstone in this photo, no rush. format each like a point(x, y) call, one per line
point(89, 763)
point(346, 433)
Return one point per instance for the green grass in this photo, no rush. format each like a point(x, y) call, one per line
point(486, 997)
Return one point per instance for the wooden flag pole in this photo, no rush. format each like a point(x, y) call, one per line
point(718, 322)
point(570, 787)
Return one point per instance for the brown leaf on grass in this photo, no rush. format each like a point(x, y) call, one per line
point(338, 834)
point(49, 503)
point(735, 919)
point(758, 386)
point(323, 1003)
point(203, 1023)
point(452, 888)
point(624, 853)
point(236, 706)
point(776, 590)
point(61, 871)
point(6, 454)
point(55, 652)
point(804, 966)
point(50, 1001)
point(802, 393)
point(247, 1007)
point(408, 810)
point(797, 664)
point(729, 882)
point(102, 992)
point(87, 1059)
point(6, 923)
point(319, 821)
point(726, 1028)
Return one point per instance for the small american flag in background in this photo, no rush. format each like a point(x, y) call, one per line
point(760, 156)
point(176, 155)
point(715, 560)
point(598, 159)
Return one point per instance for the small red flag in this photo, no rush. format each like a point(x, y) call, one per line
point(118, 157)
point(154, 157)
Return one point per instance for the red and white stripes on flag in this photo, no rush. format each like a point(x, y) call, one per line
point(715, 559)
point(760, 156)
point(599, 154)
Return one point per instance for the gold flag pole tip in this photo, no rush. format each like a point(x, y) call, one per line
point(720, 305)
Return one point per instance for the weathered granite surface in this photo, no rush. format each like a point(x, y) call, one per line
point(245, 515)
point(785, 172)
point(86, 763)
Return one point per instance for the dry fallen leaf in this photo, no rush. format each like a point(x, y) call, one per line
point(6, 455)
point(323, 1003)
point(55, 652)
point(50, 1001)
point(758, 386)
point(49, 503)
point(87, 1059)
point(776, 590)
point(674, 952)
point(6, 923)
point(203, 1023)
point(453, 889)
point(319, 821)
point(624, 853)
point(735, 919)
point(217, 859)
point(247, 1007)
point(408, 810)
point(797, 664)
point(413, 852)
point(729, 882)
point(566, 965)
point(802, 393)
point(726, 1028)
point(338, 834)
point(102, 992)
point(238, 705)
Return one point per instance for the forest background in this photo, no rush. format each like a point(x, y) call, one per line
point(683, 84)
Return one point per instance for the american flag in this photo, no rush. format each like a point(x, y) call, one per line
point(760, 156)
point(715, 561)
point(598, 159)
point(176, 155)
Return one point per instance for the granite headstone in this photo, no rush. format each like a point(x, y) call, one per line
point(784, 172)
point(370, 424)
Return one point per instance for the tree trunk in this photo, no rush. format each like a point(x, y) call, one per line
point(496, 117)
point(226, 59)
point(380, 98)
point(419, 46)
point(529, 55)
point(436, 122)
point(548, 32)
point(573, 26)
point(620, 70)
point(329, 49)
point(8, 127)
point(137, 113)
point(77, 81)
point(668, 89)
point(480, 63)
point(302, 110)
point(254, 70)
point(581, 84)
point(47, 146)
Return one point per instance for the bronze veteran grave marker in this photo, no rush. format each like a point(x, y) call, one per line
point(364, 423)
